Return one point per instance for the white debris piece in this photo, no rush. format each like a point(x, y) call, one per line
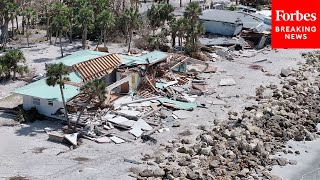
point(48, 129)
point(108, 116)
point(189, 98)
point(122, 100)
point(72, 138)
point(136, 131)
point(106, 127)
point(170, 84)
point(174, 116)
point(117, 140)
point(145, 103)
point(181, 114)
point(217, 102)
point(128, 123)
point(227, 82)
point(134, 105)
point(129, 112)
point(142, 125)
point(103, 140)
point(120, 120)
point(163, 130)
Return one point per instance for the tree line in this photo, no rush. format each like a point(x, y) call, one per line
point(99, 20)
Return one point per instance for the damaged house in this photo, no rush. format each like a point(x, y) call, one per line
point(254, 28)
point(86, 65)
point(122, 74)
point(230, 23)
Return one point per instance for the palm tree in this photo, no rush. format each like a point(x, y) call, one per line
point(159, 14)
point(132, 18)
point(57, 74)
point(85, 18)
point(174, 28)
point(30, 15)
point(95, 88)
point(7, 9)
point(60, 21)
point(106, 20)
point(14, 60)
point(182, 26)
point(195, 27)
point(159, 39)
point(13, 15)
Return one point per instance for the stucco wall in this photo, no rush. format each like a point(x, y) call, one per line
point(44, 108)
point(222, 28)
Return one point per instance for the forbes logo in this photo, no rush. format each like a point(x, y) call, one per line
point(281, 15)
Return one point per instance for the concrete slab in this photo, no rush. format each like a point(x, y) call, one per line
point(129, 112)
point(141, 124)
point(227, 82)
point(181, 114)
point(136, 131)
point(117, 140)
point(103, 140)
point(72, 138)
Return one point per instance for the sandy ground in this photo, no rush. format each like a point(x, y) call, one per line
point(106, 161)
point(308, 167)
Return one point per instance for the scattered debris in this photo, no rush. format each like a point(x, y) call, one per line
point(72, 138)
point(136, 131)
point(185, 133)
point(227, 82)
point(146, 138)
point(103, 140)
point(81, 159)
point(255, 66)
point(38, 150)
point(117, 140)
point(181, 114)
point(131, 161)
point(55, 136)
point(177, 104)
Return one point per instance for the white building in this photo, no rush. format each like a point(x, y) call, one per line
point(87, 65)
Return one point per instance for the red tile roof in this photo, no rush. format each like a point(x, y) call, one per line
point(98, 67)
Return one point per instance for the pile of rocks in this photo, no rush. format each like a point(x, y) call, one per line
point(241, 148)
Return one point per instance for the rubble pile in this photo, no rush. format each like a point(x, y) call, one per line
point(244, 147)
point(164, 92)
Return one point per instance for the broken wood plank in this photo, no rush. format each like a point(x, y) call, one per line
point(154, 88)
point(260, 61)
point(152, 131)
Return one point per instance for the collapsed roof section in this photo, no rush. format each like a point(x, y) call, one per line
point(97, 67)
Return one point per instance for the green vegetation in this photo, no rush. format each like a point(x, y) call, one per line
point(11, 63)
point(25, 116)
point(93, 89)
point(101, 20)
point(57, 74)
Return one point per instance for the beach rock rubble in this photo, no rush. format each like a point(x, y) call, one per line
point(244, 147)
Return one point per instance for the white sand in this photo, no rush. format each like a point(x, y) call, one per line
point(308, 167)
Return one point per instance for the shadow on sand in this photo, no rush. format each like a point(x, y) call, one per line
point(31, 129)
point(42, 60)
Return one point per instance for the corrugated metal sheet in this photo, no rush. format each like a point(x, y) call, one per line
point(81, 56)
point(98, 67)
point(146, 59)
